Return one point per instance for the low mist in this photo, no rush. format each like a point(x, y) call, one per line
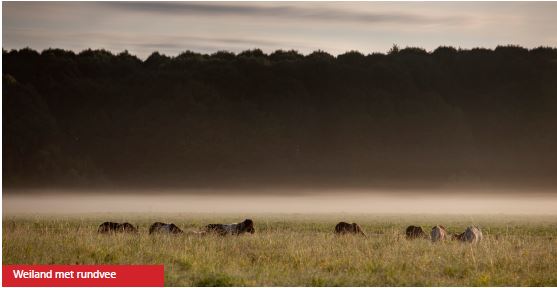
point(281, 201)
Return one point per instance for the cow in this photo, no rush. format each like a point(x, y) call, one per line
point(347, 228)
point(159, 227)
point(127, 227)
point(438, 233)
point(413, 232)
point(472, 234)
point(458, 237)
point(232, 229)
point(113, 227)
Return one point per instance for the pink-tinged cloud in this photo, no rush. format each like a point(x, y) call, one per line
point(336, 27)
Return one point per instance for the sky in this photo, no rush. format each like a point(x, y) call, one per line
point(335, 27)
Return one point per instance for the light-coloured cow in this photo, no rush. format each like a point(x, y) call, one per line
point(472, 234)
point(438, 233)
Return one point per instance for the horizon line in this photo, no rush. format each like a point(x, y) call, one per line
point(395, 48)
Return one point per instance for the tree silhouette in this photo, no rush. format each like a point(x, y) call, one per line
point(225, 119)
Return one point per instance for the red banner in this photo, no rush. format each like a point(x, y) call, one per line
point(82, 275)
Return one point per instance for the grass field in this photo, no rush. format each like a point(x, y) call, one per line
point(299, 250)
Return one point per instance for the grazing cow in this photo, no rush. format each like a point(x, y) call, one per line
point(472, 234)
point(234, 229)
point(113, 227)
point(458, 237)
point(164, 228)
point(413, 232)
point(344, 228)
point(438, 233)
point(127, 227)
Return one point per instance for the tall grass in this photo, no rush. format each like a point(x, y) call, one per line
point(299, 250)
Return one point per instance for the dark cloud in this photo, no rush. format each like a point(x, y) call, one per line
point(312, 12)
point(228, 40)
point(169, 39)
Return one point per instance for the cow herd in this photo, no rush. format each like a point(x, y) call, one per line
point(171, 228)
point(472, 234)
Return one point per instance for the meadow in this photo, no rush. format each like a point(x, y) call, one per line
point(299, 249)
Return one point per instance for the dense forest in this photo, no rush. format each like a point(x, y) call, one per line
point(96, 119)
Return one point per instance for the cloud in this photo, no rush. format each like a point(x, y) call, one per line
point(173, 27)
point(144, 44)
point(334, 12)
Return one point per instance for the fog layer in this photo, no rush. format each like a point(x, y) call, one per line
point(289, 202)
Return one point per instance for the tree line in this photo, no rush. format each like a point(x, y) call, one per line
point(95, 118)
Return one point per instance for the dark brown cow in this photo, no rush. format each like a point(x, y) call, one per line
point(233, 229)
point(159, 227)
point(113, 227)
point(413, 232)
point(347, 228)
point(127, 227)
point(459, 237)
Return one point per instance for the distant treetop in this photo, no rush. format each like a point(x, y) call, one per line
point(280, 55)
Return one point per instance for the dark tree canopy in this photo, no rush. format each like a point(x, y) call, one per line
point(409, 116)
